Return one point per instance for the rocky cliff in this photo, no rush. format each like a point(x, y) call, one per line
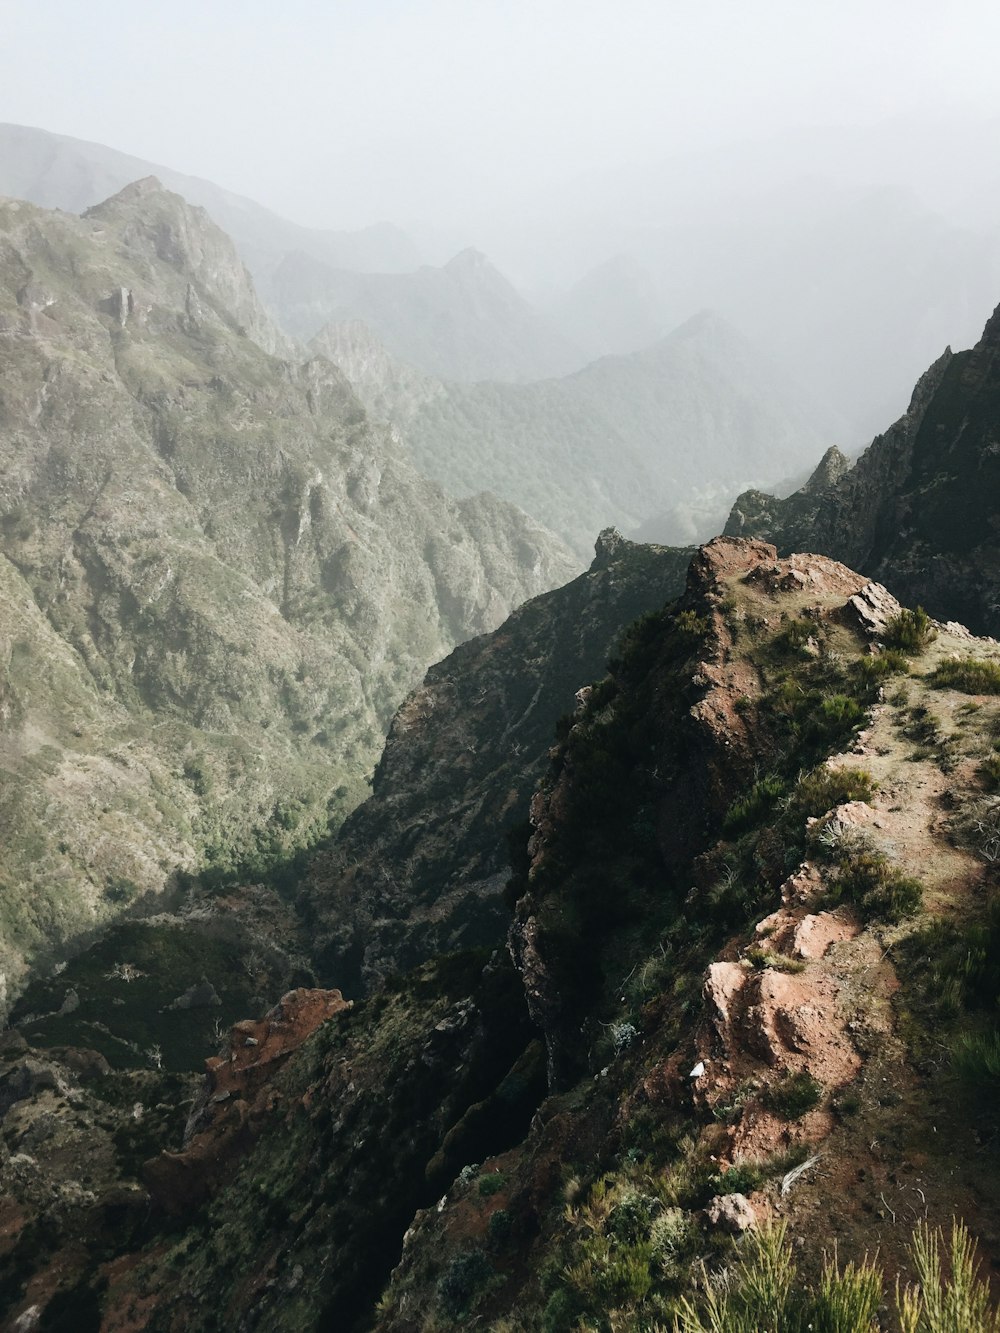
point(419, 868)
point(218, 578)
point(919, 508)
point(755, 995)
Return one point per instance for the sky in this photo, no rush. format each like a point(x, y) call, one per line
point(345, 112)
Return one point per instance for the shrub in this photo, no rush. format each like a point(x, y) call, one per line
point(461, 1279)
point(936, 1304)
point(794, 1095)
point(499, 1228)
point(868, 878)
point(989, 771)
point(689, 622)
point(824, 788)
point(976, 1059)
point(910, 631)
point(780, 962)
point(794, 637)
point(879, 667)
point(491, 1184)
point(763, 1291)
point(970, 675)
point(754, 808)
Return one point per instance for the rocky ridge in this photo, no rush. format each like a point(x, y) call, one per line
point(761, 840)
point(918, 509)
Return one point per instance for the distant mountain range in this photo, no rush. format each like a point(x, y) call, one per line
point(463, 321)
point(661, 438)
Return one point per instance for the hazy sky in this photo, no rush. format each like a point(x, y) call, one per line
point(341, 112)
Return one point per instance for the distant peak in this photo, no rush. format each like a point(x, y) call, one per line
point(140, 189)
point(704, 322)
point(832, 467)
point(468, 260)
point(608, 547)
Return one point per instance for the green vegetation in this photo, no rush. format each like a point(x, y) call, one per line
point(873, 670)
point(766, 1291)
point(971, 675)
point(753, 808)
point(868, 879)
point(976, 1060)
point(937, 1303)
point(461, 1281)
point(780, 962)
point(794, 1095)
point(910, 632)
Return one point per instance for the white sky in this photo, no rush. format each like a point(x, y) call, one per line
point(342, 112)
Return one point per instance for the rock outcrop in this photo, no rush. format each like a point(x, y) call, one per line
point(237, 1098)
point(918, 511)
point(419, 867)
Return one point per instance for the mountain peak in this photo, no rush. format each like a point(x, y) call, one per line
point(468, 260)
point(830, 469)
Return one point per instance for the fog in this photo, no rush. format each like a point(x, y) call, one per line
point(825, 176)
point(452, 112)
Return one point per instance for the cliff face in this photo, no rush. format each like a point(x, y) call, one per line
point(761, 853)
point(218, 578)
point(419, 868)
point(919, 509)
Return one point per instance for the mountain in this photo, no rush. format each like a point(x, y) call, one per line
point(419, 867)
point(218, 578)
point(463, 321)
point(749, 1005)
point(615, 307)
point(57, 171)
point(677, 427)
point(919, 508)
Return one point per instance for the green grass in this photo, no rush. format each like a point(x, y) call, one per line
point(880, 891)
point(970, 675)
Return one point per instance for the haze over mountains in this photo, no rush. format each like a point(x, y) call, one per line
point(843, 258)
point(218, 577)
point(673, 910)
point(656, 439)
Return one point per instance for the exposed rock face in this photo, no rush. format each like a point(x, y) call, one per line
point(237, 1097)
point(217, 579)
point(419, 868)
point(731, 1212)
point(918, 511)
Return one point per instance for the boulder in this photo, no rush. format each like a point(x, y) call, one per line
point(731, 1212)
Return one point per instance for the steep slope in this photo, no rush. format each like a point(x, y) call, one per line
point(676, 427)
point(919, 510)
point(57, 171)
point(419, 867)
point(748, 1000)
point(463, 321)
point(219, 579)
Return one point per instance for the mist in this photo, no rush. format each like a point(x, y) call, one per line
point(821, 177)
